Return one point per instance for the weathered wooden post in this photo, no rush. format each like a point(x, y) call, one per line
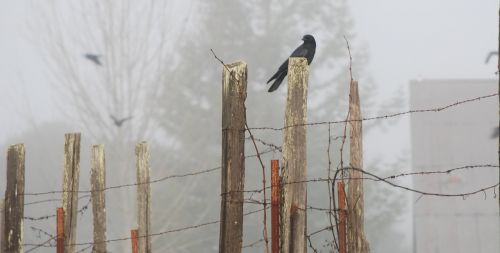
point(71, 178)
point(98, 185)
point(143, 197)
point(234, 93)
point(14, 200)
point(275, 206)
point(293, 214)
point(356, 240)
point(2, 226)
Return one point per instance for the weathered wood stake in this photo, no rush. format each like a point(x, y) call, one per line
point(234, 93)
point(14, 200)
point(71, 178)
point(2, 226)
point(98, 185)
point(293, 214)
point(356, 240)
point(143, 197)
point(275, 206)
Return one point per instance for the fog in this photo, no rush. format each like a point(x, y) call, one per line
point(157, 68)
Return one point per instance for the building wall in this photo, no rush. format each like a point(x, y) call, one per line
point(455, 137)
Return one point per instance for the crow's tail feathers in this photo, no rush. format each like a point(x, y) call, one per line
point(278, 81)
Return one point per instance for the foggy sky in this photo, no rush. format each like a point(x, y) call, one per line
point(405, 40)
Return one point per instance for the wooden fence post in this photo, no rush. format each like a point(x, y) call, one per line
point(143, 197)
point(98, 185)
point(342, 217)
point(70, 189)
point(234, 92)
point(2, 226)
point(356, 240)
point(133, 238)
point(60, 230)
point(293, 214)
point(275, 206)
point(14, 199)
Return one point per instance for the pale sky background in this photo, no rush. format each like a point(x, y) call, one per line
point(405, 40)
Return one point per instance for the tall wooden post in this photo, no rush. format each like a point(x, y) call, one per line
point(70, 189)
point(98, 185)
point(293, 214)
point(143, 197)
point(14, 199)
point(275, 206)
point(234, 93)
point(356, 240)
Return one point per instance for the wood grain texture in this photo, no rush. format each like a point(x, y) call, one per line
point(356, 240)
point(294, 195)
point(14, 199)
point(234, 93)
point(98, 184)
point(143, 198)
point(71, 178)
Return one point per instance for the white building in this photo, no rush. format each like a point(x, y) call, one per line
point(455, 137)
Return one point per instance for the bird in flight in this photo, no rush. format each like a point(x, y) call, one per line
point(491, 54)
point(307, 50)
point(95, 58)
point(495, 133)
point(119, 122)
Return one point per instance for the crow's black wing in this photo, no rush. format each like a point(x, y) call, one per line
point(300, 51)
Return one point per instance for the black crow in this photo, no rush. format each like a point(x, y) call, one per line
point(119, 122)
point(95, 58)
point(491, 54)
point(307, 50)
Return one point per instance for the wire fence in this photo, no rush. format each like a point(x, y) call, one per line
point(49, 240)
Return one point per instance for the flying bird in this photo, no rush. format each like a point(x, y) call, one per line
point(119, 122)
point(491, 54)
point(307, 50)
point(495, 133)
point(95, 58)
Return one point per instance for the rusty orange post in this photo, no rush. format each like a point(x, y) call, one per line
point(275, 206)
point(342, 217)
point(134, 235)
point(60, 230)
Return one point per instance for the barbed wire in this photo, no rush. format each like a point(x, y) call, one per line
point(165, 178)
point(387, 116)
point(181, 229)
point(330, 211)
point(80, 211)
point(272, 147)
point(375, 177)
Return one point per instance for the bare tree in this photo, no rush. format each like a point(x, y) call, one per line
point(109, 61)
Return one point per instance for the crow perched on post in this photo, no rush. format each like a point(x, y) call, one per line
point(307, 50)
point(95, 58)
